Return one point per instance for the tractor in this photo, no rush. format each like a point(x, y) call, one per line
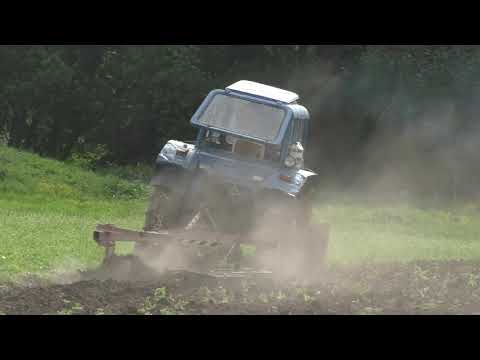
point(237, 197)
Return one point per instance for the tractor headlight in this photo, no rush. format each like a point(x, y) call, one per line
point(290, 161)
point(299, 179)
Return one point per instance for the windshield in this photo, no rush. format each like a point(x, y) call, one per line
point(243, 117)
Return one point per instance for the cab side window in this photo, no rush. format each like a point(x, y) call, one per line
point(273, 152)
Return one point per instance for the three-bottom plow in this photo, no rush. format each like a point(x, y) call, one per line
point(207, 251)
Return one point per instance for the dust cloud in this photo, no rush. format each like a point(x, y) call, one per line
point(392, 146)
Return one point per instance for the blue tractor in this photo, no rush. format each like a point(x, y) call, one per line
point(242, 179)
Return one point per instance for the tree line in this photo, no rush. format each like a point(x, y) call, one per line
point(404, 115)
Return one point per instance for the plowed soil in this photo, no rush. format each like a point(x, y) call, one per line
point(398, 289)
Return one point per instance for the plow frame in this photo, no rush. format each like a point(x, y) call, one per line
point(108, 235)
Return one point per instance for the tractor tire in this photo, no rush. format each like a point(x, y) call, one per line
point(313, 237)
point(163, 213)
point(300, 247)
point(167, 210)
point(164, 209)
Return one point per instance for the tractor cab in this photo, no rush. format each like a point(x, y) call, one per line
point(255, 123)
point(250, 135)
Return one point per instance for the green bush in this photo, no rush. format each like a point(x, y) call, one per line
point(90, 160)
point(138, 172)
point(118, 188)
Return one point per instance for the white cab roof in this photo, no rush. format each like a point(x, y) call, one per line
point(269, 92)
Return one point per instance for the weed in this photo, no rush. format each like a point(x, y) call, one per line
point(206, 295)
point(473, 280)
point(429, 306)
point(166, 305)
point(264, 298)
point(371, 311)
point(280, 296)
point(100, 312)
point(65, 312)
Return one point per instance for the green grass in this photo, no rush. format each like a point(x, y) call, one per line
point(48, 210)
point(22, 173)
point(400, 233)
point(38, 237)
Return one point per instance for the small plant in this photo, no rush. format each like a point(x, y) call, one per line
point(152, 302)
point(308, 298)
point(143, 311)
point(428, 306)
point(421, 274)
point(360, 288)
point(76, 308)
point(280, 296)
point(100, 312)
point(218, 296)
point(371, 311)
point(167, 312)
point(473, 280)
point(223, 296)
point(245, 286)
point(206, 295)
point(168, 304)
point(160, 294)
point(264, 298)
point(423, 292)
point(4, 137)
point(248, 250)
point(65, 312)
point(177, 308)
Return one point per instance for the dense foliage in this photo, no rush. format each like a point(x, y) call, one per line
point(403, 113)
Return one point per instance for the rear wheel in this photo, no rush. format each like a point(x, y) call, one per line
point(164, 209)
point(162, 213)
point(314, 237)
point(299, 245)
point(173, 210)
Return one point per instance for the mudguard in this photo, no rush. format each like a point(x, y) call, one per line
point(294, 183)
point(310, 185)
point(174, 171)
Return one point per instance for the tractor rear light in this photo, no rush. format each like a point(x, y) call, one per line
point(287, 179)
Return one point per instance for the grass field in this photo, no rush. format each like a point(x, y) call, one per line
point(400, 233)
point(48, 210)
